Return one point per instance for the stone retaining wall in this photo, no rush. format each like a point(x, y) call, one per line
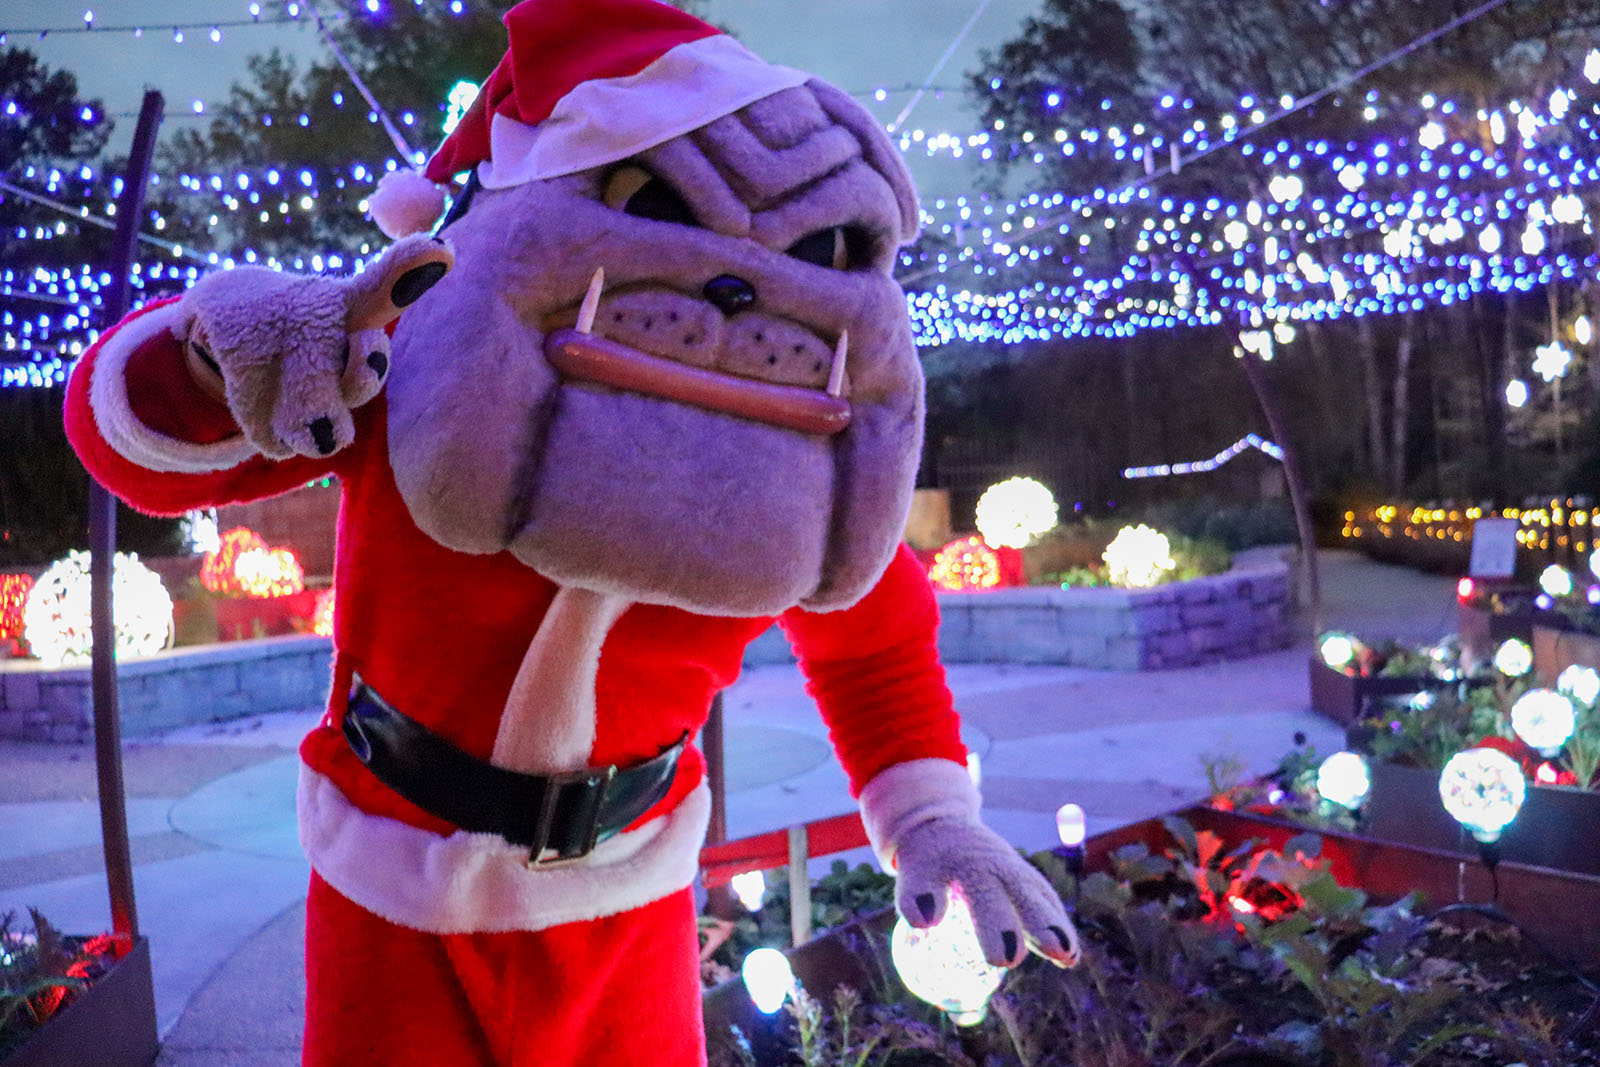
point(176, 688)
point(1227, 616)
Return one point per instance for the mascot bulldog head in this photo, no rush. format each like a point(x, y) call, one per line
point(671, 362)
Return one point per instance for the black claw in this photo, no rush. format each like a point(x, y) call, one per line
point(416, 281)
point(379, 362)
point(1008, 941)
point(1061, 936)
point(322, 434)
point(927, 905)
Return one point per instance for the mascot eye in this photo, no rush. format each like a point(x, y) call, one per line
point(636, 191)
point(836, 248)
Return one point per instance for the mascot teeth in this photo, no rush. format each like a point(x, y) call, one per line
point(591, 301)
point(836, 375)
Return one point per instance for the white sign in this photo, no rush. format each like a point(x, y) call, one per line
point(1494, 548)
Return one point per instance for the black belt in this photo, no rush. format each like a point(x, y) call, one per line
point(555, 816)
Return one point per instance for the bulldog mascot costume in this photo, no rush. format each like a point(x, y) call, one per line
point(647, 388)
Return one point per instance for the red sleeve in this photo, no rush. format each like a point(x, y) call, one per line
point(162, 395)
point(874, 671)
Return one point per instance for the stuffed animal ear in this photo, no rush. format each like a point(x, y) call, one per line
point(396, 280)
point(879, 151)
point(203, 367)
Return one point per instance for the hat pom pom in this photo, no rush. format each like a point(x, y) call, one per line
point(405, 202)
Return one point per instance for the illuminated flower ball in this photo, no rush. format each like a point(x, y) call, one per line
point(269, 572)
point(944, 965)
point(1514, 658)
point(1344, 779)
point(1482, 789)
point(1544, 719)
point(57, 612)
point(1580, 683)
point(1338, 650)
point(1015, 513)
point(217, 570)
point(1556, 580)
point(1594, 563)
point(1138, 556)
point(13, 595)
point(965, 566)
point(322, 614)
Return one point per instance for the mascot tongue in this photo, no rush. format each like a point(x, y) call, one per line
point(548, 723)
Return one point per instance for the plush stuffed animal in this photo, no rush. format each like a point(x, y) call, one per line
point(649, 387)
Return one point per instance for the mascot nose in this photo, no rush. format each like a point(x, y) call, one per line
point(730, 294)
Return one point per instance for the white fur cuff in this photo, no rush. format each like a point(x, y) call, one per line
point(122, 430)
point(909, 794)
point(472, 883)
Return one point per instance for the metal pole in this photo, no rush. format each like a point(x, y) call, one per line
point(719, 900)
point(102, 553)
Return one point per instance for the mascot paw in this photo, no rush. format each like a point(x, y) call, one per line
point(1013, 906)
point(292, 355)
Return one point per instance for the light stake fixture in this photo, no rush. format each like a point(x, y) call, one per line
point(1344, 779)
point(1544, 719)
point(1072, 826)
point(1483, 789)
point(944, 965)
point(1513, 658)
point(768, 979)
point(751, 889)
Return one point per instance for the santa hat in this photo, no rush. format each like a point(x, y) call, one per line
point(583, 83)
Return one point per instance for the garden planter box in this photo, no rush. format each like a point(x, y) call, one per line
point(110, 1024)
point(1483, 631)
point(1342, 697)
point(1556, 649)
point(1549, 905)
point(1558, 827)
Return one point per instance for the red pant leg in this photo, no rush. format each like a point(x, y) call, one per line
point(614, 992)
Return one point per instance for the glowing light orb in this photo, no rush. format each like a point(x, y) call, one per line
point(751, 889)
point(1138, 556)
point(13, 595)
point(322, 614)
point(943, 964)
point(1465, 588)
point(1594, 563)
point(964, 566)
point(1517, 393)
point(1514, 658)
point(1344, 779)
point(768, 978)
point(1544, 719)
point(269, 572)
point(1015, 513)
point(1482, 789)
point(1580, 683)
point(1552, 360)
point(56, 616)
point(1556, 580)
point(1072, 826)
point(217, 569)
point(1338, 650)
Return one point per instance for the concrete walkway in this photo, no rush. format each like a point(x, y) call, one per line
point(221, 882)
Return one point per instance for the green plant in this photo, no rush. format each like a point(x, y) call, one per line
point(1427, 729)
point(41, 972)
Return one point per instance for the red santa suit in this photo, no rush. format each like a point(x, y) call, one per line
point(430, 944)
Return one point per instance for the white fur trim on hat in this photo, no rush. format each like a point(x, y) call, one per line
point(121, 428)
point(905, 795)
point(607, 119)
point(405, 202)
point(472, 883)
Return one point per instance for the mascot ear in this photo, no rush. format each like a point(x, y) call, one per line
point(410, 267)
point(879, 151)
